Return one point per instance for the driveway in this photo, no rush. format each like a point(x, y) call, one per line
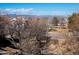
point(56, 35)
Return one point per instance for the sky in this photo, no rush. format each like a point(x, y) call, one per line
point(39, 8)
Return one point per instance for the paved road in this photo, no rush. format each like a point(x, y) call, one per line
point(56, 35)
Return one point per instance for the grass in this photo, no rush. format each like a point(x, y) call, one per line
point(67, 46)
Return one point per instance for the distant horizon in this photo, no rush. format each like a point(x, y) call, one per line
point(36, 15)
point(62, 9)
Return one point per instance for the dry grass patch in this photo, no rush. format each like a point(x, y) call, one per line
point(67, 46)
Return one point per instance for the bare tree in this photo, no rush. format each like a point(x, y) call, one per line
point(27, 36)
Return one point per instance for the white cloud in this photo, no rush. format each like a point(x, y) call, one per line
point(24, 11)
point(19, 11)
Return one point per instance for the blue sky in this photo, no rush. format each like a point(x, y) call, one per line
point(40, 8)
